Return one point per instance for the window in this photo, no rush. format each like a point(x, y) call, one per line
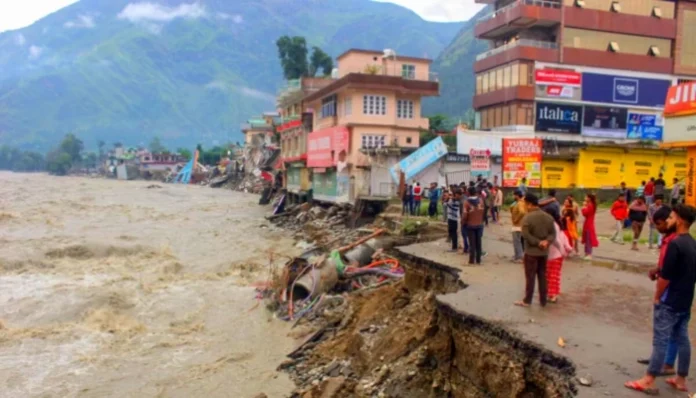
point(524, 69)
point(409, 140)
point(404, 109)
point(506, 77)
point(374, 105)
point(408, 71)
point(328, 106)
point(373, 141)
point(485, 83)
point(515, 75)
point(479, 85)
point(347, 107)
point(499, 79)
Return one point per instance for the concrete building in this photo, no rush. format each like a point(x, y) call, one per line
point(260, 130)
point(582, 70)
point(365, 121)
point(296, 122)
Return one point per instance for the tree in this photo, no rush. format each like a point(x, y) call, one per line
point(185, 153)
point(72, 146)
point(101, 144)
point(156, 146)
point(58, 163)
point(293, 56)
point(320, 59)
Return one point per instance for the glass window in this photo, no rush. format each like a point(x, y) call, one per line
point(499, 79)
point(408, 71)
point(484, 84)
point(523, 74)
point(511, 115)
point(515, 75)
point(373, 141)
point(506, 77)
point(328, 106)
point(348, 107)
point(479, 85)
point(374, 105)
point(491, 80)
point(498, 116)
point(404, 109)
point(506, 116)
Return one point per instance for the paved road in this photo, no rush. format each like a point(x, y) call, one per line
point(603, 315)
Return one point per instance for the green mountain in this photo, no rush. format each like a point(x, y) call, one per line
point(187, 71)
point(455, 68)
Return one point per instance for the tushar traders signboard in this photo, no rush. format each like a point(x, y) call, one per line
point(522, 159)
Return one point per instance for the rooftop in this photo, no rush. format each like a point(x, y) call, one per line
point(381, 53)
point(364, 80)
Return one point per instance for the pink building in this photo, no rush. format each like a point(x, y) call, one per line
point(370, 117)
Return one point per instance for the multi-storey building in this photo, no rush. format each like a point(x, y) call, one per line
point(582, 69)
point(364, 121)
point(295, 124)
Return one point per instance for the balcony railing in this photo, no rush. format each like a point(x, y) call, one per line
point(517, 43)
point(538, 3)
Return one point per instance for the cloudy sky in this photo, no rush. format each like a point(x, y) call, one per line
point(15, 14)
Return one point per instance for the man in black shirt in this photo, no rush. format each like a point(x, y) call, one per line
point(674, 296)
point(660, 185)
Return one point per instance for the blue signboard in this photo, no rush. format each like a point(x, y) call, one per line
point(420, 159)
point(623, 90)
point(644, 127)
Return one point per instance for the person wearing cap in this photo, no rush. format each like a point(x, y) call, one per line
point(538, 232)
point(517, 210)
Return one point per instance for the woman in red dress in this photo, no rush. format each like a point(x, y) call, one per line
point(589, 234)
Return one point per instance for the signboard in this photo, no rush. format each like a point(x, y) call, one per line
point(325, 148)
point(558, 118)
point(522, 159)
point(457, 158)
point(682, 128)
point(644, 126)
point(624, 90)
point(558, 77)
point(681, 100)
point(420, 159)
point(605, 122)
point(556, 92)
point(480, 162)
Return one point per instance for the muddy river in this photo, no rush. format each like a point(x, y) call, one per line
point(111, 288)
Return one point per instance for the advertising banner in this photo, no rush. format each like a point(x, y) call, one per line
point(682, 128)
point(480, 162)
point(681, 100)
point(558, 118)
point(605, 122)
point(420, 159)
point(558, 77)
point(325, 148)
point(644, 126)
point(559, 92)
point(522, 159)
point(624, 90)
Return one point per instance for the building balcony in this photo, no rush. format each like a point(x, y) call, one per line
point(532, 50)
point(611, 60)
point(522, 14)
point(517, 93)
point(607, 21)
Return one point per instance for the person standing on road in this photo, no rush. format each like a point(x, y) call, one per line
point(487, 197)
point(637, 213)
point(434, 196)
point(660, 219)
point(406, 200)
point(619, 210)
point(652, 210)
point(570, 219)
point(640, 191)
point(649, 191)
point(453, 211)
point(559, 249)
point(417, 196)
point(674, 197)
point(660, 185)
point(550, 205)
point(523, 186)
point(497, 203)
point(589, 233)
point(674, 296)
point(517, 210)
point(473, 214)
point(538, 231)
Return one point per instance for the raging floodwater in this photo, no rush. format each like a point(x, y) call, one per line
point(111, 288)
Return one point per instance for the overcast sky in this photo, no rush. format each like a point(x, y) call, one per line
point(15, 14)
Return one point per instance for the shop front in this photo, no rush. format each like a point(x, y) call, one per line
point(327, 152)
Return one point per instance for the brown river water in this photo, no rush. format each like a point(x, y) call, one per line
point(113, 289)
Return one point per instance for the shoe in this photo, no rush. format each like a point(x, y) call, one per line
point(587, 258)
point(484, 254)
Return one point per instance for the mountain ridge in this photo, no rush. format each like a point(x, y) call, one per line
point(189, 72)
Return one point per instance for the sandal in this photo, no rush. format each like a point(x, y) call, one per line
point(673, 383)
point(635, 386)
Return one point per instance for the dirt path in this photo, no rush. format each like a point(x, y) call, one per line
point(115, 288)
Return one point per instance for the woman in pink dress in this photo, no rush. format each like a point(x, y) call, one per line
point(589, 234)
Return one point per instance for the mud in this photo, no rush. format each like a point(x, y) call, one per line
point(400, 340)
point(113, 289)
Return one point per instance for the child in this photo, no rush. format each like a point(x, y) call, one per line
point(558, 250)
point(638, 213)
point(570, 219)
point(619, 210)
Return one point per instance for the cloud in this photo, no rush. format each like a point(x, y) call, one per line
point(250, 92)
point(151, 12)
point(245, 91)
point(83, 21)
point(441, 10)
point(216, 85)
point(236, 18)
point(20, 40)
point(35, 52)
